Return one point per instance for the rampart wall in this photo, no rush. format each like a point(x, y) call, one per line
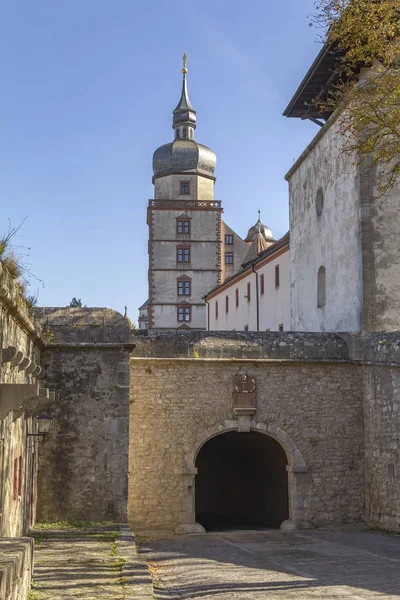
point(84, 464)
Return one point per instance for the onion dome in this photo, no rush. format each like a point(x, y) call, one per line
point(184, 155)
point(259, 227)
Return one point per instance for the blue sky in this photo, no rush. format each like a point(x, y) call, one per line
point(88, 89)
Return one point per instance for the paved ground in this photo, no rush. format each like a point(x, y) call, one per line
point(274, 565)
point(88, 563)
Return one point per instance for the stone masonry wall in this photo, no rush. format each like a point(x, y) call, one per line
point(20, 347)
point(84, 465)
point(176, 403)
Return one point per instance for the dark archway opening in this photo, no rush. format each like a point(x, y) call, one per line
point(241, 482)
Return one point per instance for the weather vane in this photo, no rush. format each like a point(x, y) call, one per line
point(184, 58)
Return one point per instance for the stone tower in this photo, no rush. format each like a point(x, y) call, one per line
point(185, 227)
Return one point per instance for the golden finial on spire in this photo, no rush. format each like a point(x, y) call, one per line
point(184, 58)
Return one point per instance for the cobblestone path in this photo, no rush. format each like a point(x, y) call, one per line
point(92, 563)
point(274, 565)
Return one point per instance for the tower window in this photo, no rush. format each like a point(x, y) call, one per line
point(228, 258)
point(237, 297)
point(277, 276)
point(229, 240)
point(184, 313)
point(182, 226)
point(183, 254)
point(185, 187)
point(184, 132)
point(321, 289)
point(184, 288)
point(226, 304)
point(177, 134)
point(262, 284)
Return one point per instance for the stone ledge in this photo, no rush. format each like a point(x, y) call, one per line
point(135, 569)
point(16, 562)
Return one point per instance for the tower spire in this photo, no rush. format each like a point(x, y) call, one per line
point(184, 120)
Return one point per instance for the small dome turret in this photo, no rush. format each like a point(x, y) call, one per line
point(259, 227)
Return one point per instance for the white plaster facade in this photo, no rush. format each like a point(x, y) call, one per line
point(273, 300)
point(331, 239)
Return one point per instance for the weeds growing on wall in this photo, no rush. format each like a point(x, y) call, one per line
point(18, 269)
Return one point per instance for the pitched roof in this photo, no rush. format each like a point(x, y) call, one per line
point(258, 245)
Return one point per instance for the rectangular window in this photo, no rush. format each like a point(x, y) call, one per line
point(248, 292)
point(184, 288)
point(183, 226)
point(237, 297)
point(229, 240)
point(246, 328)
point(226, 304)
point(280, 327)
point(184, 313)
point(228, 258)
point(183, 255)
point(277, 276)
point(185, 187)
point(216, 310)
point(262, 284)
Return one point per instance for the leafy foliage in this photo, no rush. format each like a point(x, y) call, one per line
point(366, 34)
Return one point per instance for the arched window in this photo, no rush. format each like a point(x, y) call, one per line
point(177, 134)
point(184, 132)
point(321, 291)
point(319, 202)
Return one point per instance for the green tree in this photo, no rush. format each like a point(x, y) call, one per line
point(76, 303)
point(366, 36)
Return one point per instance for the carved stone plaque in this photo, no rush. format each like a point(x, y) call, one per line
point(244, 393)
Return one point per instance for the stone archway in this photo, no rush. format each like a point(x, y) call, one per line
point(297, 472)
point(241, 482)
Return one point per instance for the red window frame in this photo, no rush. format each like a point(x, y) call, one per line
point(184, 252)
point(183, 224)
point(186, 287)
point(185, 312)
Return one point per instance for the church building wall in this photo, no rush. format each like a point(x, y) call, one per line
point(380, 226)
point(331, 240)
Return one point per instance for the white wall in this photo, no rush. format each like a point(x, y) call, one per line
point(332, 240)
point(274, 305)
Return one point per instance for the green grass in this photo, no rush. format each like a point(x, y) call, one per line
point(73, 525)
